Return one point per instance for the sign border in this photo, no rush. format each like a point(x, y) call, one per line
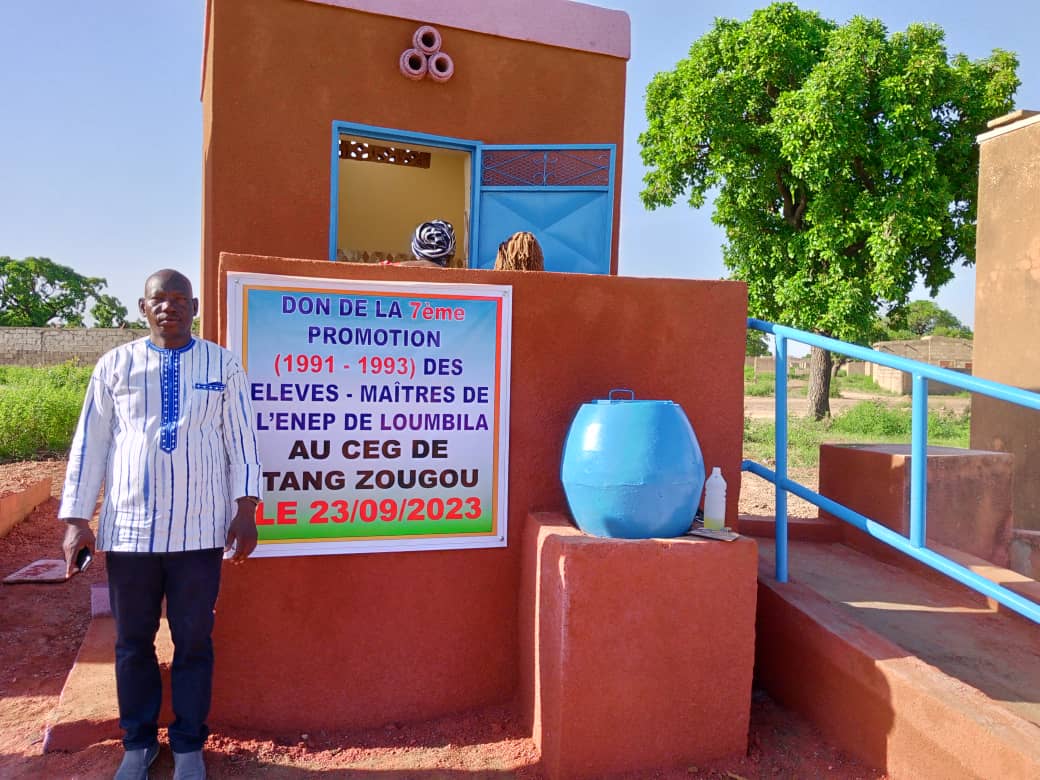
point(240, 282)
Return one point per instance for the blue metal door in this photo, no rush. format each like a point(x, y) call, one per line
point(564, 195)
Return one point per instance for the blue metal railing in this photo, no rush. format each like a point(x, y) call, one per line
point(916, 545)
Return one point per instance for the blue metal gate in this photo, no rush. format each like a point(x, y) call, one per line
point(564, 195)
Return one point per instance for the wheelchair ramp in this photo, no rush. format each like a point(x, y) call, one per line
point(915, 675)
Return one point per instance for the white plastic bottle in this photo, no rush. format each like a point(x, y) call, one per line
point(715, 500)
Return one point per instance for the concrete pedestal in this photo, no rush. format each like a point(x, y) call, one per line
point(969, 496)
point(635, 654)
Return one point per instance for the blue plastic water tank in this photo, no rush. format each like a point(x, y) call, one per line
point(632, 469)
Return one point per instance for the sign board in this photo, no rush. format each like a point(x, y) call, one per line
point(382, 410)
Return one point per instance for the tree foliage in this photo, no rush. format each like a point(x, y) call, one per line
point(108, 312)
point(36, 291)
point(923, 318)
point(757, 344)
point(843, 156)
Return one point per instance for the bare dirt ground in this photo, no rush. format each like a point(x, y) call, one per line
point(42, 626)
point(757, 497)
point(764, 407)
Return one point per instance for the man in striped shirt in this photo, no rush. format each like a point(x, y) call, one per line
point(167, 427)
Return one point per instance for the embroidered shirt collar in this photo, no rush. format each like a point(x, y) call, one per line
point(185, 348)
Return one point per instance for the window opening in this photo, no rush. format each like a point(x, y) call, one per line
point(380, 205)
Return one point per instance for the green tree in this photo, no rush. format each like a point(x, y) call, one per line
point(923, 318)
point(757, 345)
point(108, 312)
point(843, 156)
point(36, 291)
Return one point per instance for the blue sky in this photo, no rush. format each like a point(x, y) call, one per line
point(101, 134)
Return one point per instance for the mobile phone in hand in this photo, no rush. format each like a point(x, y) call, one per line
point(83, 558)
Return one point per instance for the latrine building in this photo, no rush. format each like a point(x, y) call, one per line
point(331, 128)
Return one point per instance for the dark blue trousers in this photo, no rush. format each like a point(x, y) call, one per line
point(137, 583)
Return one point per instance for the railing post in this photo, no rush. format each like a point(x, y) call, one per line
point(781, 457)
point(919, 461)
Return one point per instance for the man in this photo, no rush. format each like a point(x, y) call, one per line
point(167, 426)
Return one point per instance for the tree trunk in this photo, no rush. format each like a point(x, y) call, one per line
point(819, 383)
point(838, 362)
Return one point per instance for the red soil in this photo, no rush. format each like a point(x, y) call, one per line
point(43, 625)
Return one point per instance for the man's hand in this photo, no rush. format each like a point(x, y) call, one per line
point(77, 536)
point(242, 531)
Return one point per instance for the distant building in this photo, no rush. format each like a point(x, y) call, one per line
point(942, 351)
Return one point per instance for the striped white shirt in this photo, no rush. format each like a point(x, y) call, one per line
point(170, 434)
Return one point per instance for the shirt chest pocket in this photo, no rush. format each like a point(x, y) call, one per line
point(206, 402)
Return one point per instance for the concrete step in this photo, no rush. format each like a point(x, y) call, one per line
point(809, 529)
point(88, 710)
point(916, 676)
point(828, 529)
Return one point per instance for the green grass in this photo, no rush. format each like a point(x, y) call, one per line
point(859, 382)
point(762, 385)
point(39, 408)
point(868, 422)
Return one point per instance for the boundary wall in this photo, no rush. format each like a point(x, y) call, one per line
point(54, 346)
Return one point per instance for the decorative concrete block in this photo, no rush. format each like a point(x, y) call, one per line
point(635, 654)
point(969, 495)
